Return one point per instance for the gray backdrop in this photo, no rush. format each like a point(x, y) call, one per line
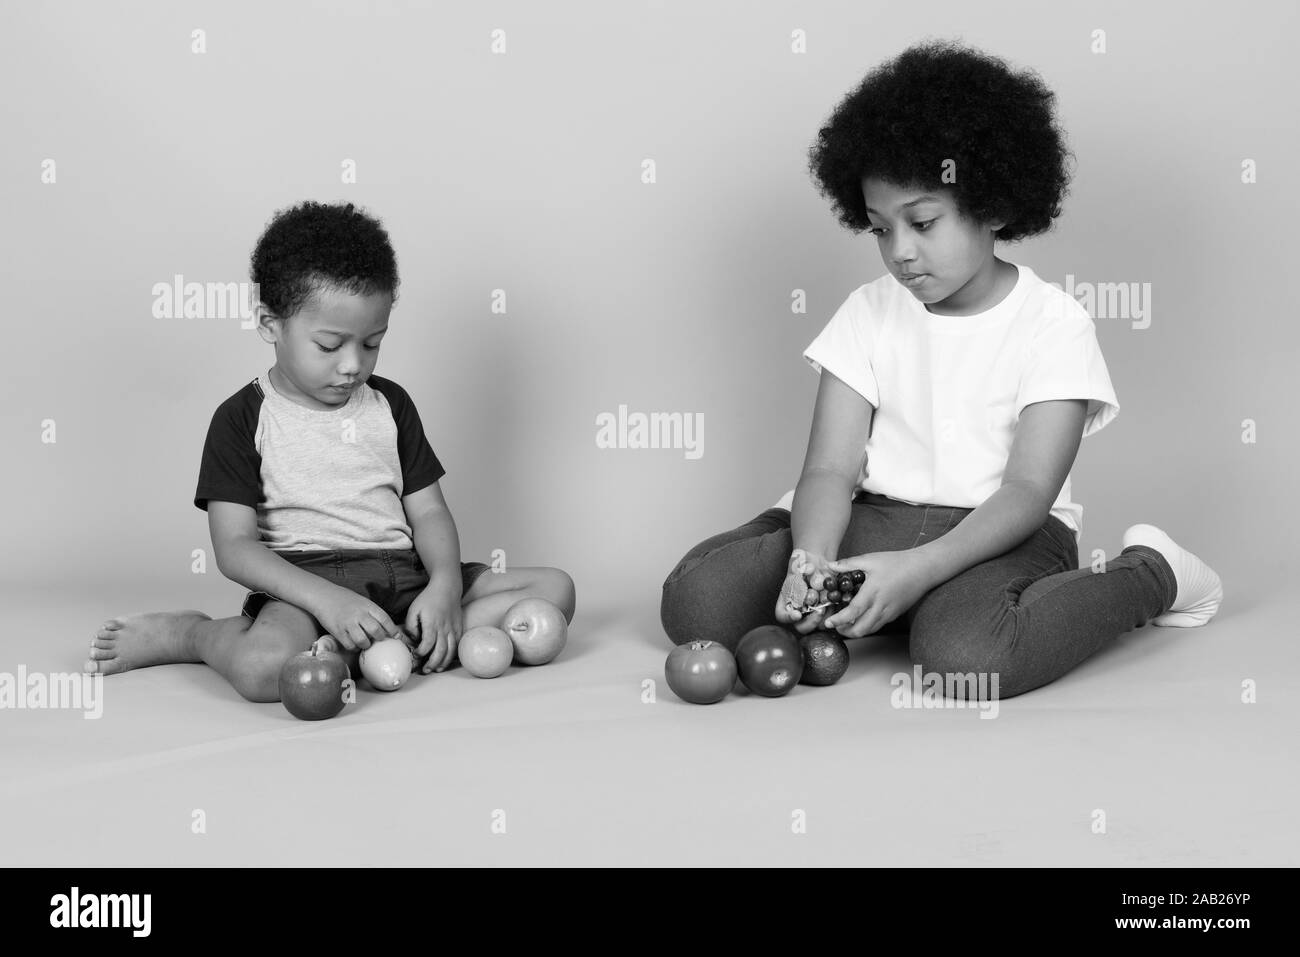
point(522, 172)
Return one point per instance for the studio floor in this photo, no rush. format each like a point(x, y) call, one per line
point(573, 763)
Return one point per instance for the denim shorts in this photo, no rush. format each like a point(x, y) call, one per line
point(391, 578)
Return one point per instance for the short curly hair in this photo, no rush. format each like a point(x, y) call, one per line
point(937, 101)
point(313, 246)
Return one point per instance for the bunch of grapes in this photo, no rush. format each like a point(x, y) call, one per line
point(836, 593)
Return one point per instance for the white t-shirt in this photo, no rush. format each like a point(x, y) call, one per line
point(948, 390)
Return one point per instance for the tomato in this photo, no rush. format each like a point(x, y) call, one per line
point(701, 672)
point(770, 660)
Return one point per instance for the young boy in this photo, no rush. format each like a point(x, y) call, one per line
point(321, 489)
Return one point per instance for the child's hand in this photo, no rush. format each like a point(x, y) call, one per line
point(436, 621)
point(805, 578)
point(354, 620)
point(895, 582)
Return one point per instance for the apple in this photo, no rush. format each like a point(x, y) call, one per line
point(485, 651)
point(311, 684)
point(537, 628)
point(386, 664)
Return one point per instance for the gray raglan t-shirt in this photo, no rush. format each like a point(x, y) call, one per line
point(319, 479)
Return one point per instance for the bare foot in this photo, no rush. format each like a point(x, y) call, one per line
point(143, 639)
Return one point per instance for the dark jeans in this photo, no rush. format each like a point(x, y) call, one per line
point(390, 577)
point(1030, 614)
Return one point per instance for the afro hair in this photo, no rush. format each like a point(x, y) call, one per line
point(939, 101)
point(313, 246)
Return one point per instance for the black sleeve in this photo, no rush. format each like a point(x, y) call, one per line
point(231, 468)
point(420, 466)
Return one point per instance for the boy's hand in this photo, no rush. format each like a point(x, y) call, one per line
point(355, 621)
point(436, 621)
point(805, 578)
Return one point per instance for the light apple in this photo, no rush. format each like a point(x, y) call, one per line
point(537, 629)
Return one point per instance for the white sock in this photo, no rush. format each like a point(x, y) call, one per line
point(1199, 589)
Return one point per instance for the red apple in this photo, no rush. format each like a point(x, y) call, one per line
point(386, 664)
point(311, 684)
point(485, 651)
point(538, 630)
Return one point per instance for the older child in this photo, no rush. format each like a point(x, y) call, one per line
point(954, 394)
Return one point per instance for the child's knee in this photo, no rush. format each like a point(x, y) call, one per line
point(561, 591)
point(552, 584)
point(680, 571)
point(256, 672)
point(678, 610)
point(966, 656)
